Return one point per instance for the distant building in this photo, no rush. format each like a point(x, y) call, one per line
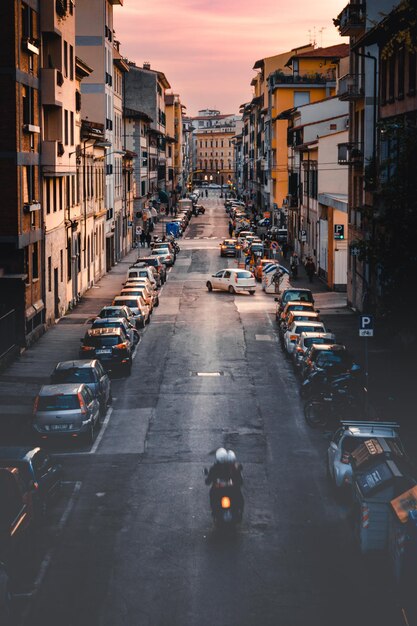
point(213, 146)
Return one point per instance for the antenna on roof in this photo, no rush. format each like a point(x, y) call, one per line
point(312, 37)
point(321, 35)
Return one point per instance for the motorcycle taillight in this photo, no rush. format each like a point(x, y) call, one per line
point(225, 502)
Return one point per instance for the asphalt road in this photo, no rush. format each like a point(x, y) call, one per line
point(131, 542)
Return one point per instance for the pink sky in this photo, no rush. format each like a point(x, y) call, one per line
point(207, 48)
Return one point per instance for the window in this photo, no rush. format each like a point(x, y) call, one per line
point(412, 67)
point(69, 254)
point(400, 74)
point(65, 127)
point(67, 192)
point(61, 199)
point(71, 62)
point(28, 104)
point(27, 22)
point(35, 261)
point(71, 128)
point(65, 59)
point(48, 195)
point(301, 97)
point(49, 273)
point(54, 183)
point(28, 184)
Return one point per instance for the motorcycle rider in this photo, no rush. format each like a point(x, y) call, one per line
point(225, 468)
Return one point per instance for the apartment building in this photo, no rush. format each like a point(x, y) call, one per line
point(145, 92)
point(213, 145)
point(359, 87)
point(95, 45)
point(174, 111)
point(22, 308)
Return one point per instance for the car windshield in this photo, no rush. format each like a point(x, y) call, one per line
point(61, 402)
point(302, 296)
point(74, 375)
point(130, 302)
point(111, 313)
point(98, 341)
point(243, 274)
point(330, 359)
point(321, 340)
point(304, 329)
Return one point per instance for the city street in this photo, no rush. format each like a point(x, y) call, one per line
point(130, 540)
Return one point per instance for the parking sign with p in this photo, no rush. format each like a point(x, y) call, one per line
point(366, 326)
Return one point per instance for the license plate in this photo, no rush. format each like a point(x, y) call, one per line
point(59, 427)
point(103, 351)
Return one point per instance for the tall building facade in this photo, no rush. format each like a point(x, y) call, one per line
point(22, 308)
point(213, 146)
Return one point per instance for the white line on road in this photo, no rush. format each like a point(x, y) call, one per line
point(102, 431)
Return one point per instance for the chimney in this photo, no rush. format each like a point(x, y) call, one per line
point(146, 65)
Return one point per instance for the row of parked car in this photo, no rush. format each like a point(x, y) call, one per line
point(79, 392)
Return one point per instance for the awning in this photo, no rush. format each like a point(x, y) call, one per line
point(163, 196)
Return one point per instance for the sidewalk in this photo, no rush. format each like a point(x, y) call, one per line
point(390, 381)
point(20, 382)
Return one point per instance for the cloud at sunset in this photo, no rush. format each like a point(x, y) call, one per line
point(207, 49)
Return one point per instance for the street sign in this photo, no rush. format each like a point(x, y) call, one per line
point(339, 231)
point(366, 326)
point(274, 245)
point(303, 236)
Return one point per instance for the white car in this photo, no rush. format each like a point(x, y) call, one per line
point(141, 271)
point(233, 281)
point(165, 255)
point(349, 436)
point(296, 328)
point(138, 307)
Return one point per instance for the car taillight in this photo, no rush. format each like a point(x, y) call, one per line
point(225, 502)
point(35, 405)
point(83, 408)
point(293, 337)
point(86, 348)
point(299, 349)
point(120, 346)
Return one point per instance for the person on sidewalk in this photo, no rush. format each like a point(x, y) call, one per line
point(294, 263)
point(310, 268)
point(142, 238)
point(148, 239)
point(230, 228)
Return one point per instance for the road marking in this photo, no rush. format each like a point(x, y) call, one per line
point(208, 374)
point(102, 431)
point(264, 338)
point(46, 561)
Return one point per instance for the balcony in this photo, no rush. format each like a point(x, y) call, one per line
point(51, 157)
point(52, 15)
point(352, 19)
point(351, 87)
point(350, 154)
point(314, 78)
point(51, 87)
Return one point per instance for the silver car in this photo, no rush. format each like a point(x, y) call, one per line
point(347, 438)
point(68, 410)
point(89, 372)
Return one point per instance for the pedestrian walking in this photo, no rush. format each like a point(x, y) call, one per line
point(230, 228)
point(142, 238)
point(294, 263)
point(310, 267)
point(148, 239)
point(206, 193)
point(171, 210)
point(285, 250)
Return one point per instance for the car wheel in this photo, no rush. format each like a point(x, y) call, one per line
point(128, 368)
point(209, 286)
point(231, 289)
point(251, 292)
point(89, 436)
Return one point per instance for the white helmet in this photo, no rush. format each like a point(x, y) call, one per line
point(231, 456)
point(221, 455)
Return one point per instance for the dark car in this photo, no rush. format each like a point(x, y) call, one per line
point(16, 509)
point(110, 346)
point(89, 372)
point(156, 262)
point(298, 294)
point(229, 247)
point(40, 473)
point(335, 358)
point(118, 322)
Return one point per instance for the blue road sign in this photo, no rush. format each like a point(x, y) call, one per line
point(366, 326)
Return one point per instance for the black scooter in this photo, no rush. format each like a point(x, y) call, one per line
point(226, 506)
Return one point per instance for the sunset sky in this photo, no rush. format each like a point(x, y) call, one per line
point(207, 48)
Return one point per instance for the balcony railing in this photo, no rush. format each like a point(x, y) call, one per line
point(350, 87)
point(279, 78)
point(350, 154)
point(351, 19)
